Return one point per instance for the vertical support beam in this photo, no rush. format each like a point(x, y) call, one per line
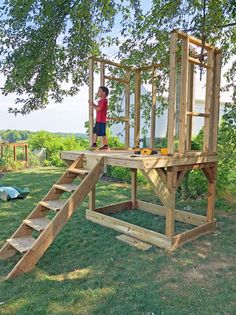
point(215, 102)
point(102, 73)
point(153, 112)
point(27, 154)
point(172, 94)
point(127, 109)
point(170, 211)
point(14, 152)
point(137, 95)
point(208, 97)
point(190, 103)
point(183, 95)
point(91, 93)
point(92, 198)
point(134, 188)
point(211, 197)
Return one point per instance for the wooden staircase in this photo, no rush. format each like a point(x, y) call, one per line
point(24, 240)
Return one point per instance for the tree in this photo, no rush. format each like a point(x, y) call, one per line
point(46, 43)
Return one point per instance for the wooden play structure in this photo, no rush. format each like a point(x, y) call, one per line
point(15, 146)
point(164, 172)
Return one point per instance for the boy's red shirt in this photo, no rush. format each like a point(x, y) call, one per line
point(101, 115)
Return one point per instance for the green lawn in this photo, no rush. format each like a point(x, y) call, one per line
point(88, 271)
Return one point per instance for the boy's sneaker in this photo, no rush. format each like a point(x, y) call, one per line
point(94, 145)
point(105, 147)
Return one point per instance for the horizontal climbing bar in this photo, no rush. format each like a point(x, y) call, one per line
point(193, 40)
point(198, 114)
point(150, 67)
point(116, 79)
point(197, 62)
point(119, 119)
point(108, 62)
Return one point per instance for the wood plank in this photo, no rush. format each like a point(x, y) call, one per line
point(115, 208)
point(102, 73)
point(127, 109)
point(28, 261)
point(158, 186)
point(81, 171)
point(197, 62)
point(153, 110)
point(180, 215)
point(38, 224)
point(208, 98)
point(183, 95)
point(172, 94)
point(111, 78)
point(193, 234)
point(156, 163)
point(134, 242)
point(198, 114)
point(137, 232)
point(92, 198)
point(112, 63)
point(150, 67)
point(66, 187)
point(124, 119)
point(91, 96)
point(215, 102)
point(7, 251)
point(22, 244)
point(54, 205)
point(170, 209)
point(193, 40)
point(137, 95)
point(134, 188)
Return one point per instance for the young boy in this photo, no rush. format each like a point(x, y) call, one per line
point(99, 129)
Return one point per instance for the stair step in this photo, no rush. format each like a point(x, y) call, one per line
point(39, 224)
point(81, 171)
point(54, 205)
point(22, 243)
point(66, 187)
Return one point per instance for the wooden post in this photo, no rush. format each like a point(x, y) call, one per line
point(102, 73)
point(190, 103)
point(127, 109)
point(27, 154)
point(91, 93)
point(14, 152)
point(137, 95)
point(134, 188)
point(92, 199)
point(1, 151)
point(215, 102)
point(170, 210)
point(208, 98)
point(172, 94)
point(153, 112)
point(183, 95)
point(211, 177)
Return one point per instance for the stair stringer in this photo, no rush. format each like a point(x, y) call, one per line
point(30, 258)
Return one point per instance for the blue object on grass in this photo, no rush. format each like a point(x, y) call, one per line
point(11, 192)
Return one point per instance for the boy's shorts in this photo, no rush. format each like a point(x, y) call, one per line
point(100, 129)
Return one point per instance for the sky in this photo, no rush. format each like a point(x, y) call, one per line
point(68, 116)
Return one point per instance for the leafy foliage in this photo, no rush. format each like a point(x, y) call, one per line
point(45, 44)
point(54, 145)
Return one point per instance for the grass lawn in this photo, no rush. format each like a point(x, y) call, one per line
point(88, 271)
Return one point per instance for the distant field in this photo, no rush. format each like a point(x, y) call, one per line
point(87, 271)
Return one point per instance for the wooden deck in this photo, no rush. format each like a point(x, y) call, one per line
point(130, 160)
